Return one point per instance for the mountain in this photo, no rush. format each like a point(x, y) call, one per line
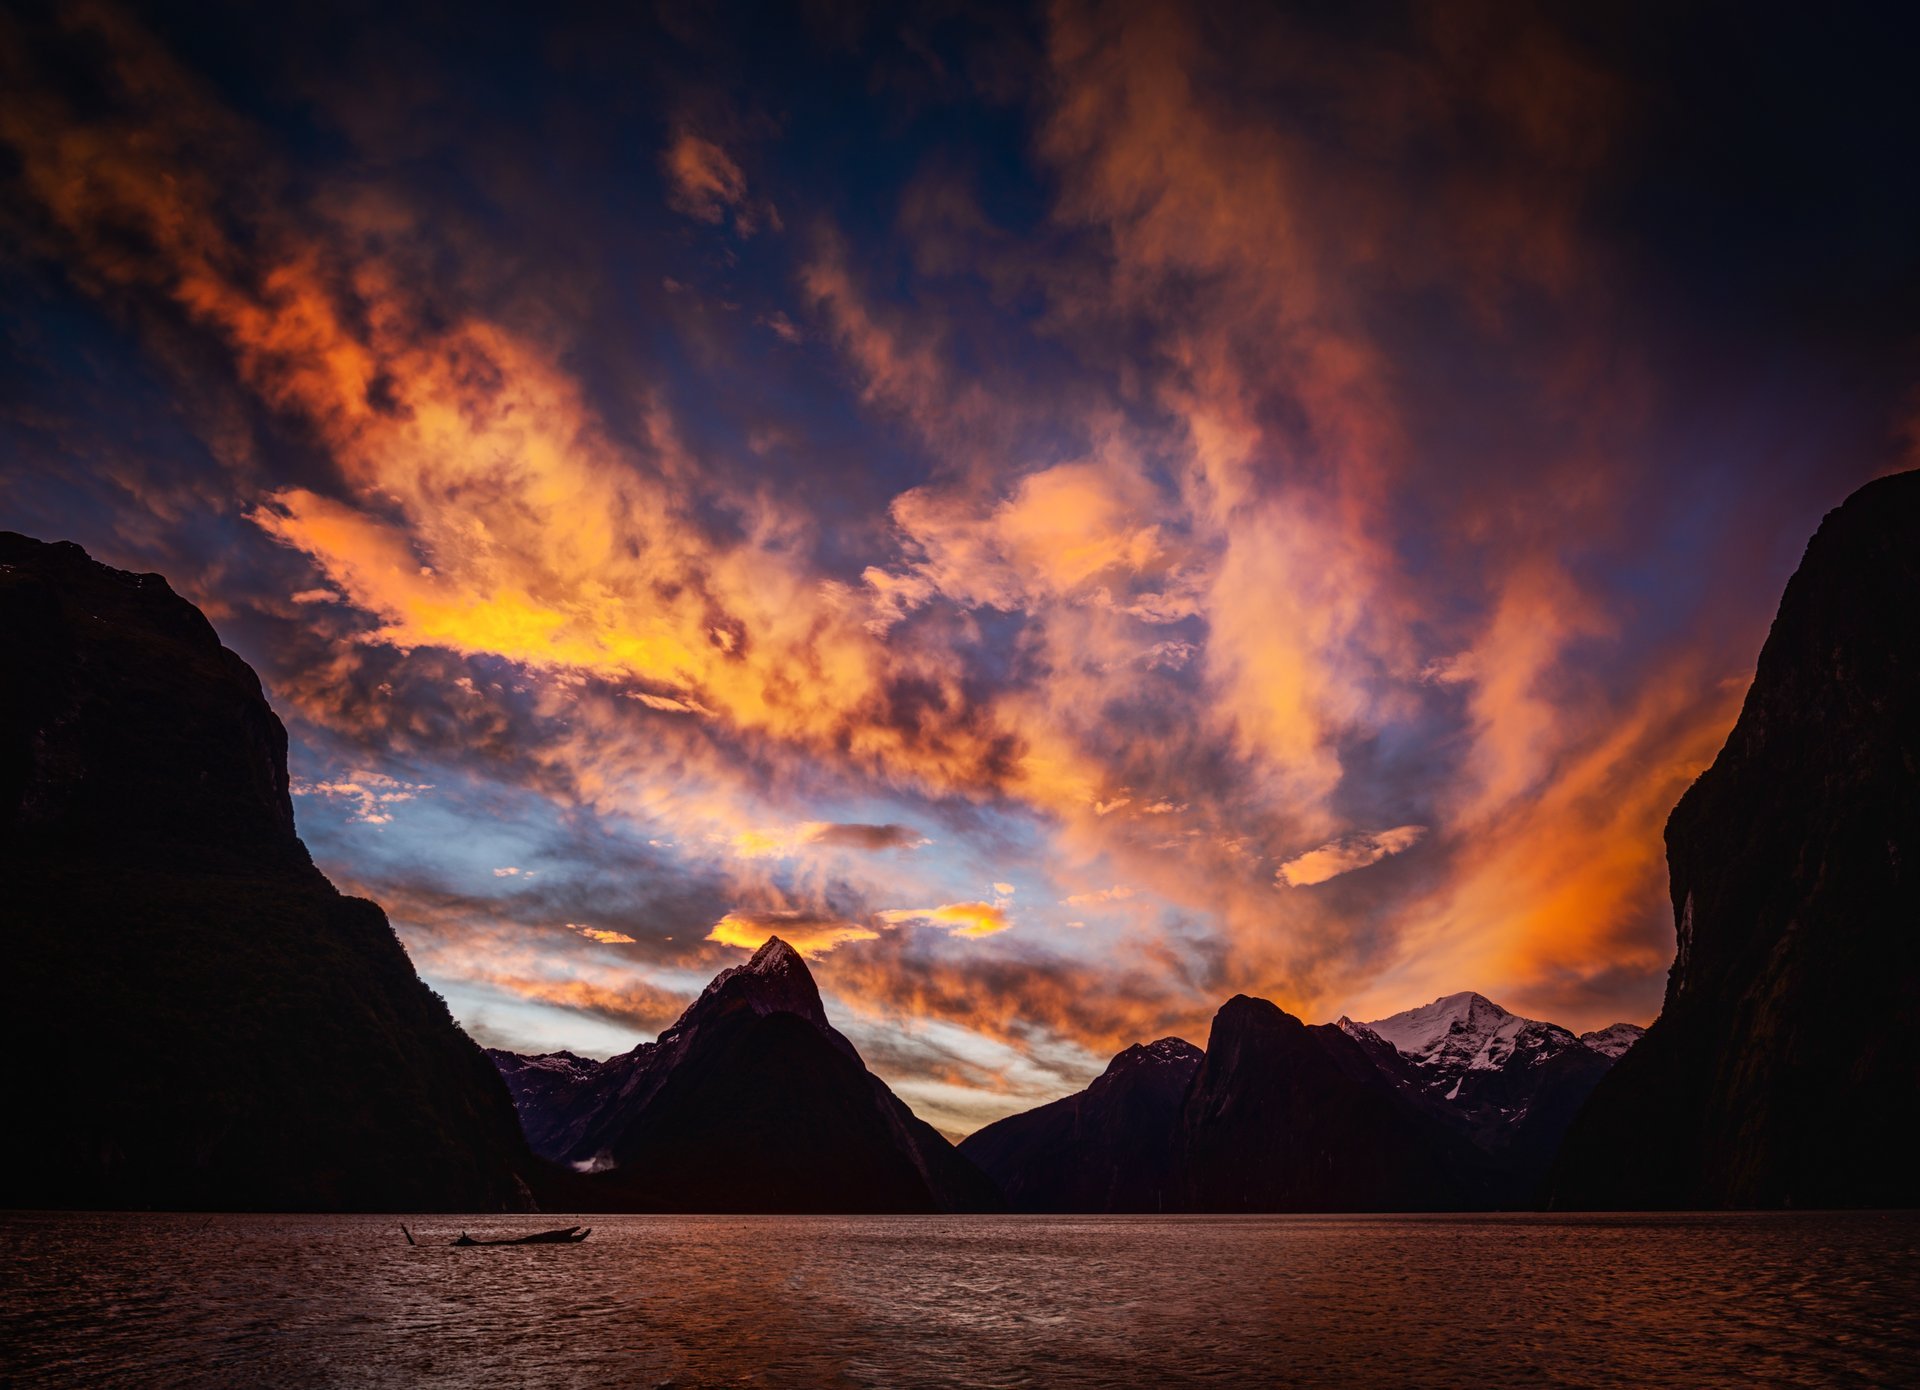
point(1107, 1148)
point(1285, 1117)
point(1510, 1084)
point(1784, 1069)
point(751, 1101)
point(545, 1088)
point(1457, 1104)
point(1613, 1040)
point(199, 1020)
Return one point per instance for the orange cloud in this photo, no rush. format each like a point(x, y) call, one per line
point(605, 938)
point(960, 919)
point(810, 933)
point(1348, 853)
point(706, 182)
point(1015, 1001)
point(1117, 893)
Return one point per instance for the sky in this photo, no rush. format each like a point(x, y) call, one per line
point(1064, 514)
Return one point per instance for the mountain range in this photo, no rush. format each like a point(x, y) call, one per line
point(1458, 1104)
point(208, 1023)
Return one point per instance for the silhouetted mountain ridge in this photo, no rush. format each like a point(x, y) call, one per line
point(1784, 1069)
point(1277, 1115)
point(751, 1101)
point(211, 1024)
point(1281, 1116)
point(1107, 1148)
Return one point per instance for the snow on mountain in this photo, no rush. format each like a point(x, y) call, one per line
point(566, 1064)
point(1469, 1032)
point(1614, 1039)
point(1359, 1032)
point(1512, 1084)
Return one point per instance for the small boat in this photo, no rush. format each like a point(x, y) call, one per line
point(566, 1235)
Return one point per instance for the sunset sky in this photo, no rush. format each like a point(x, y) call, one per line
point(1063, 514)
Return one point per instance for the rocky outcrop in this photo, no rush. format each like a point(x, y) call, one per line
point(1784, 1069)
point(750, 1102)
point(208, 1023)
point(1108, 1148)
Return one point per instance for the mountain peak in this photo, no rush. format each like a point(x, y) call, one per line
point(1161, 1052)
point(1359, 1032)
point(774, 980)
point(137, 728)
point(751, 1101)
point(1613, 1040)
point(1468, 1001)
point(1467, 1031)
point(775, 957)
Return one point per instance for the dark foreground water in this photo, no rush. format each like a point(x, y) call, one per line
point(1001, 1301)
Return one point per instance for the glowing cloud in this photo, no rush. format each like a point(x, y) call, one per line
point(705, 183)
point(809, 933)
point(960, 919)
point(1120, 892)
point(1344, 855)
point(605, 938)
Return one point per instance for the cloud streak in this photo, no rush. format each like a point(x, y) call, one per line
point(1348, 853)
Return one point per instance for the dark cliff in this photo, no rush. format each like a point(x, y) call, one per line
point(1107, 1148)
point(202, 1020)
point(1784, 1069)
point(1286, 1117)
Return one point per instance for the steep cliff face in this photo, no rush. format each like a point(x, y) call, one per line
point(1286, 1117)
point(1784, 1069)
point(1107, 1148)
point(210, 1024)
point(751, 1101)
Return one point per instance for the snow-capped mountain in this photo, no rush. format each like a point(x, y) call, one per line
point(1464, 1033)
point(1614, 1039)
point(1512, 1084)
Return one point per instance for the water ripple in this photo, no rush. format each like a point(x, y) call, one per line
point(964, 1301)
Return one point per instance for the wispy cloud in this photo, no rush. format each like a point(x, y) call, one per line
point(960, 919)
point(1348, 853)
point(371, 795)
point(601, 935)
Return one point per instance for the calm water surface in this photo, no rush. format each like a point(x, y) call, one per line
point(969, 1301)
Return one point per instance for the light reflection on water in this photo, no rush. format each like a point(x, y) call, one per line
point(965, 1301)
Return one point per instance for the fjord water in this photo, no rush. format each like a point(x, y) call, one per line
point(966, 1301)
